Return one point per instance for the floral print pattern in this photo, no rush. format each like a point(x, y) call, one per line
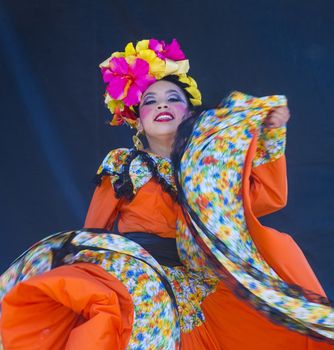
point(190, 289)
point(139, 172)
point(216, 221)
point(213, 241)
point(156, 323)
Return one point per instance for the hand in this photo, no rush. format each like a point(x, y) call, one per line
point(277, 117)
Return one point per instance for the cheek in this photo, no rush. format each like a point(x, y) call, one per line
point(145, 111)
point(181, 109)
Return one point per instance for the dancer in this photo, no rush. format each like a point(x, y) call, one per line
point(191, 266)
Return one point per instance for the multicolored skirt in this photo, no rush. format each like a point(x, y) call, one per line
point(100, 290)
point(157, 295)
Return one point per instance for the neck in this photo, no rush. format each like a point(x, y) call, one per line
point(161, 147)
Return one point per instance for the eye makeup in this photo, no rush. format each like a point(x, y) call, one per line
point(148, 102)
point(175, 98)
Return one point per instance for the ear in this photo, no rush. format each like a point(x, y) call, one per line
point(140, 126)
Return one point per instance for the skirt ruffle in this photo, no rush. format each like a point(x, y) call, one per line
point(86, 290)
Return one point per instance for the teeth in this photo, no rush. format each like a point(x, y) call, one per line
point(164, 117)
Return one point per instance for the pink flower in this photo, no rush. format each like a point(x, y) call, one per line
point(126, 81)
point(163, 51)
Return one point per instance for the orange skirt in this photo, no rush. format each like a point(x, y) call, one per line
point(81, 306)
point(77, 306)
point(127, 304)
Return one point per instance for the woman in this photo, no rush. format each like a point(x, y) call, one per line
point(192, 267)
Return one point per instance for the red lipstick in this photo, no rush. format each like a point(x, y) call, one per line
point(164, 117)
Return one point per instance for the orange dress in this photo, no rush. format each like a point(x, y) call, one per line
point(102, 305)
point(230, 323)
point(151, 210)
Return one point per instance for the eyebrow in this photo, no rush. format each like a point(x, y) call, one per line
point(153, 93)
point(173, 91)
point(149, 94)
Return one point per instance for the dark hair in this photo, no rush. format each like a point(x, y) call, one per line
point(185, 129)
point(183, 134)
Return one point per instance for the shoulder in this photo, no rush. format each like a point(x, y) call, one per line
point(130, 169)
point(114, 161)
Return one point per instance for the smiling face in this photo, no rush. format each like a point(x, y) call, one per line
point(162, 108)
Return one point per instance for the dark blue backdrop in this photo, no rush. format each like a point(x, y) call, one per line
point(53, 135)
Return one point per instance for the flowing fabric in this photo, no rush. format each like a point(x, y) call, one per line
point(71, 307)
point(239, 285)
point(154, 313)
point(225, 232)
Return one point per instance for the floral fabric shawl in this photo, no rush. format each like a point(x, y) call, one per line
point(215, 232)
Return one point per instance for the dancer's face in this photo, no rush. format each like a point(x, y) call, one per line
point(162, 108)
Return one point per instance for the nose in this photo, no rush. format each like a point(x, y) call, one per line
point(162, 105)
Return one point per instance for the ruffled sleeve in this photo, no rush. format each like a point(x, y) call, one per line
point(268, 178)
point(104, 206)
point(268, 187)
point(113, 164)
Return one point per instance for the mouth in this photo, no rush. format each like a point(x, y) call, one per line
point(164, 117)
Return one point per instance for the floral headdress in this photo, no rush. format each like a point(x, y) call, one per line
point(128, 74)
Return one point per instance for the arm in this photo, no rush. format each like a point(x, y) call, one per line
point(268, 187)
point(104, 206)
point(268, 180)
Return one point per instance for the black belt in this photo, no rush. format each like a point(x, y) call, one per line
point(162, 249)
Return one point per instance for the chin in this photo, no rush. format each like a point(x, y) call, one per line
point(163, 132)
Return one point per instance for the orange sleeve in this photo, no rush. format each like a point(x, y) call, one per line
point(268, 187)
point(103, 208)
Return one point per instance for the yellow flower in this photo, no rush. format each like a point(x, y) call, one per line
point(184, 78)
point(157, 65)
point(195, 102)
point(113, 104)
point(131, 50)
point(116, 54)
point(196, 99)
point(194, 92)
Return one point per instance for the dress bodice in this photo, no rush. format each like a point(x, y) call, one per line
point(139, 188)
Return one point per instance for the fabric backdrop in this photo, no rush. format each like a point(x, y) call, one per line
point(53, 132)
